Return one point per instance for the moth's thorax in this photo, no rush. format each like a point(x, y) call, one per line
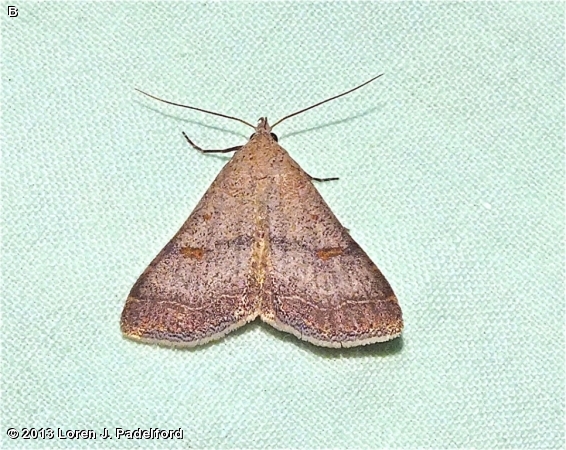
point(263, 150)
point(262, 157)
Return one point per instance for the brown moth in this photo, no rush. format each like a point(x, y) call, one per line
point(262, 243)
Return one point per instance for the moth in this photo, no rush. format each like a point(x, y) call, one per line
point(263, 243)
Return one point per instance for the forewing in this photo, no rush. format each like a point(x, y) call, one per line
point(200, 286)
point(320, 285)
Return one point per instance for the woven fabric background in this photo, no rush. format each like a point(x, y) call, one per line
point(451, 178)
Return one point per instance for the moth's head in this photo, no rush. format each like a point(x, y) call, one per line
point(263, 128)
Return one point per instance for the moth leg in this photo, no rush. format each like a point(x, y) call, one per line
point(196, 147)
point(322, 179)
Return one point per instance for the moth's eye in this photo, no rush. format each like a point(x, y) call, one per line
point(274, 136)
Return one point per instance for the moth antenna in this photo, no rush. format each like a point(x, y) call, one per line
point(196, 109)
point(327, 100)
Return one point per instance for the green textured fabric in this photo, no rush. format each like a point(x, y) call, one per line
point(451, 178)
